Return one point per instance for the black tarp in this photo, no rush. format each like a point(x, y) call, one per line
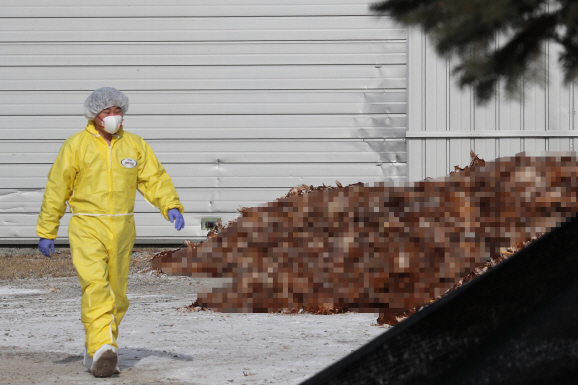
point(515, 324)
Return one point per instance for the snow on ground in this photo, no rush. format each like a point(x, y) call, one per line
point(42, 338)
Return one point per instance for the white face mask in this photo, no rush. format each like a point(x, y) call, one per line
point(112, 123)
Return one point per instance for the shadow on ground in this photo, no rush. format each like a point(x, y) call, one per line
point(128, 358)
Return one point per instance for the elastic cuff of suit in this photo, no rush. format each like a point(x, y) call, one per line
point(49, 238)
point(180, 208)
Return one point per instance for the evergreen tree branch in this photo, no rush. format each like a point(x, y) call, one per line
point(468, 30)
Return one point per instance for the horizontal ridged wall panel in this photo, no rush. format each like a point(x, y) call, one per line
point(199, 200)
point(150, 8)
point(204, 127)
point(199, 29)
point(232, 175)
point(205, 78)
point(214, 151)
point(66, 54)
point(234, 102)
point(241, 100)
point(149, 225)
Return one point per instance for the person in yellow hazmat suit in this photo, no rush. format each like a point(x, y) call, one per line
point(98, 172)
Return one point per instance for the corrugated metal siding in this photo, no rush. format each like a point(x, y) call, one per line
point(182, 8)
point(444, 122)
point(240, 100)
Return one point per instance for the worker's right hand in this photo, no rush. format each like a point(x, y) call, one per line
point(46, 246)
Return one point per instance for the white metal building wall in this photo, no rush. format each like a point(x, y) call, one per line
point(241, 100)
point(444, 123)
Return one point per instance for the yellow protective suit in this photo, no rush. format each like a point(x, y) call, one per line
point(99, 182)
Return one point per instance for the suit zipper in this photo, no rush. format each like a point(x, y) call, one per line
point(110, 177)
point(110, 196)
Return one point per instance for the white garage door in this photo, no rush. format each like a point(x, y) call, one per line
point(240, 99)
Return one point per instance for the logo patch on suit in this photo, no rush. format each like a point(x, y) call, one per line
point(128, 163)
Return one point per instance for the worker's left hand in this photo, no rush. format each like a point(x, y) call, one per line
point(176, 217)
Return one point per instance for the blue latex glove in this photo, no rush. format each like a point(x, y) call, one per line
point(176, 217)
point(46, 246)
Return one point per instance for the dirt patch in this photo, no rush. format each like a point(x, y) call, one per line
point(28, 262)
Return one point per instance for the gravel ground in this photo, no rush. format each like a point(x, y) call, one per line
point(42, 338)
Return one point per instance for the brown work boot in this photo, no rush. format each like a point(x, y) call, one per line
point(104, 361)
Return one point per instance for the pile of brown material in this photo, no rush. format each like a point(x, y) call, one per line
point(295, 191)
point(491, 263)
point(379, 249)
